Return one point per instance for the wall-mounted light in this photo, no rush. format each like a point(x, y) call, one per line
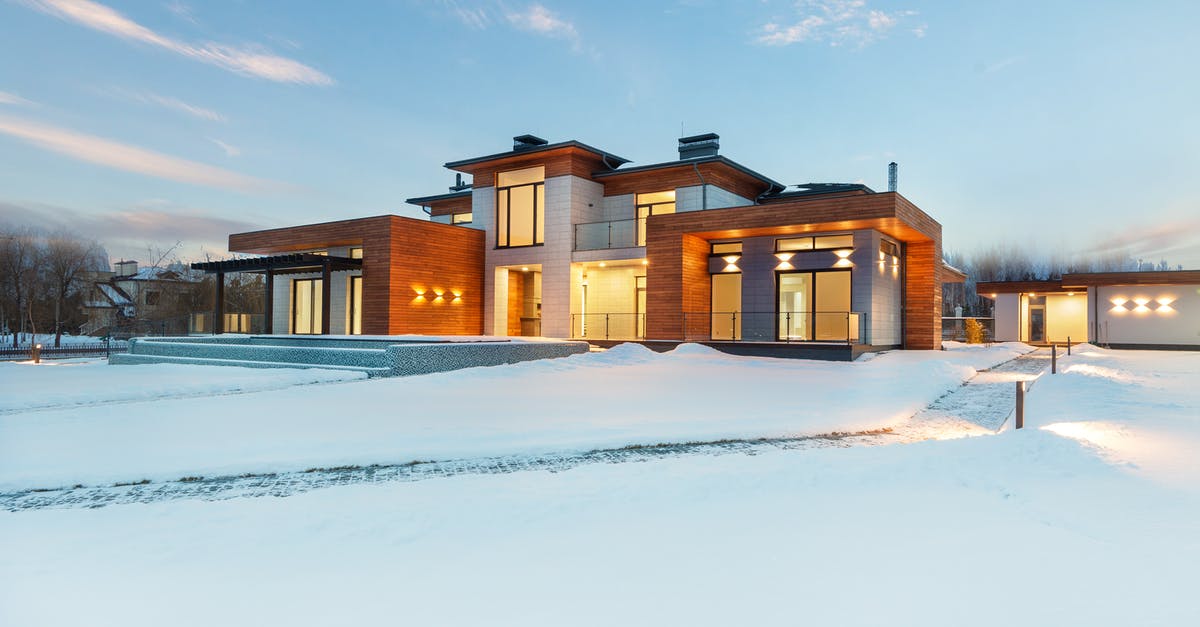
point(843, 253)
point(645, 262)
point(843, 263)
point(784, 256)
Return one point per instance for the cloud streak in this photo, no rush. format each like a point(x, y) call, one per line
point(253, 61)
point(837, 22)
point(119, 156)
point(177, 105)
point(13, 99)
point(533, 18)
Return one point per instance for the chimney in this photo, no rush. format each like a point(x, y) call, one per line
point(892, 174)
point(126, 268)
point(705, 145)
point(459, 185)
point(525, 142)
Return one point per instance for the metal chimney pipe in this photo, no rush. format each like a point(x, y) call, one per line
point(893, 169)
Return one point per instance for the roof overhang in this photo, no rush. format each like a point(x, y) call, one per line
point(464, 165)
point(293, 262)
point(773, 185)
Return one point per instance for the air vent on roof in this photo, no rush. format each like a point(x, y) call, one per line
point(705, 145)
point(459, 185)
point(525, 142)
point(892, 175)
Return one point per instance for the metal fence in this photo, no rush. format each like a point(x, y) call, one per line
point(49, 351)
point(735, 326)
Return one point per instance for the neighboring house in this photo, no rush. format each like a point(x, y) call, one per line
point(133, 301)
point(566, 240)
point(1159, 309)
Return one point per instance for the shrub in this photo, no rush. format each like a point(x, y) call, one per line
point(974, 331)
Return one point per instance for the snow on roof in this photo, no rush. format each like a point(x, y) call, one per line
point(170, 273)
point(114, 295)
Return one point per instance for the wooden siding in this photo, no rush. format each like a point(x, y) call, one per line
point(677, 248)
point(683, 175)
point(450, 206)
point(400, 256)
point(558, 162)
point(1162, 277)
point(1017, 287)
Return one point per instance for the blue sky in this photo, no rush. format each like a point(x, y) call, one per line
point(1066, 126)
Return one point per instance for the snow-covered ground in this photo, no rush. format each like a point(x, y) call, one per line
point(1086, 517)
point(73, 382)
point(626, 396)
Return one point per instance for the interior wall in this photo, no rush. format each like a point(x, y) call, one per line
point(516, 302)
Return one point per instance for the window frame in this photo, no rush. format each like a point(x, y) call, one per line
point(812, 301)
point(649, 207)
point(315, 311)
point(812, 240)
point(507, 192)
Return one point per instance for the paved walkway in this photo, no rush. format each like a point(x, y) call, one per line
point(979, 407)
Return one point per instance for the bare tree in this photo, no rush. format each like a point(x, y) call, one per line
point(19, 252)
point(67, 258)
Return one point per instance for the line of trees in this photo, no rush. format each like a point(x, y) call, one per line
point(1013, 263)
point(43, 280)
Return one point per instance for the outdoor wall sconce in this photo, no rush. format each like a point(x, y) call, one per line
point(1141, 304)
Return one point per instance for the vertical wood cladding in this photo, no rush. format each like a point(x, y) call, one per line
point(401, 256)
point(516, 301)
point(677, 249)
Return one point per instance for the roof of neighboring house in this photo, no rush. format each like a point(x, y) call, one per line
point(1082, 280)
point(114, 294)
point(608, 157)
point(956, 275)
point(158, 274)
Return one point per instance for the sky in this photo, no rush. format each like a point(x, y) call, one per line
point(1063, 127)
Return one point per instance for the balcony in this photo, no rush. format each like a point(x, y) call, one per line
point(611, 234)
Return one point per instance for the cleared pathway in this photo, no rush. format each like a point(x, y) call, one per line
point(979, 407)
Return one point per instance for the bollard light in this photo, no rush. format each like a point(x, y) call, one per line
point(37, 353)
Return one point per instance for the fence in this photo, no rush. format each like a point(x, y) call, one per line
point(734, 326)
point(48, 351)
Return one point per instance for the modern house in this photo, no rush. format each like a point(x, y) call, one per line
point(1159, 309)
point(570, 241)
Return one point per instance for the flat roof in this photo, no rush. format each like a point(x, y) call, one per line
point(290, 261)
point(436, 197)
point(1080, 280)
point(686, 162)
point(608, 156)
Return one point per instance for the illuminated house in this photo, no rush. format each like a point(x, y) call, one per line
point(1119, 309)
point(566, 240)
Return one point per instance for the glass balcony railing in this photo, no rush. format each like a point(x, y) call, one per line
point(610, 234)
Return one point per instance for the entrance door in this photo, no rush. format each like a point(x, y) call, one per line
point(1037, 324)
point(306, 306)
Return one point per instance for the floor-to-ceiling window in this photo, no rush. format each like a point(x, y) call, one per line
point(815, 306)
point(521, 207)
point(639, 304)
point(306, 306)
point(652, 204)
point(354, 319)
point(726, 306)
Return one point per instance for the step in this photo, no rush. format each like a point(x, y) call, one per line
point(135, 359)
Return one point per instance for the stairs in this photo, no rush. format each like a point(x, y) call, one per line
point(373, 361)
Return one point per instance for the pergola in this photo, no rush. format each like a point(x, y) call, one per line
point(292, 263)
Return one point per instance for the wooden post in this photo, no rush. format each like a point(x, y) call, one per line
point(1054, 359)
point(269, 304)
point(326, 290)
point(219, 306)
point(1020, 404)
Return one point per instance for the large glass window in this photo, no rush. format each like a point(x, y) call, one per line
point(816, 306)
point(354, 317)
point(306, 306)
point(819, 242)
point(639, 303)
point(726, 306)
point(652, 204)
point(521, 207)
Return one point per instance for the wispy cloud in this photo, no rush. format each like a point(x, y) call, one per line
point(182, 11)
point(538, 19)
point(254, 61)
point(167, 102)
point(1166, 239)
point(13, 99)
point(129, 231)
point(229, 149)
point(837, 22)
point(1001, 64)
point(130, 158)
point(532, 18)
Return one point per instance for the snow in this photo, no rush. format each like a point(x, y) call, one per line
point(67, 383)
point(626, 396)
point(1078, 519)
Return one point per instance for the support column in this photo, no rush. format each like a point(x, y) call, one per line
point(219, 305)
point(269, 304)
point(326, 291)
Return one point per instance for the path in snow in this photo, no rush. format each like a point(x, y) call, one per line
point(978, 407)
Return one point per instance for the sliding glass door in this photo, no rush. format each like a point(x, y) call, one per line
point(306, 306)
point(815, 306)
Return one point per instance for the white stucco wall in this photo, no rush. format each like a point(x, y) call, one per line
point(1007, 315)
point(1178, 323)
